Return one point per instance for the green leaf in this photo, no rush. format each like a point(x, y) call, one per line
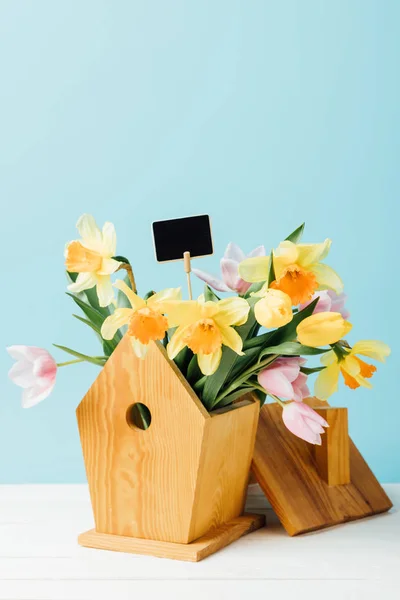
point(193, 372)
point(292, 349)
point(148, 295)
point(89, 295)
point(215, 382)
point(295, 236)
point(310, 371)
point(232, 397)
point(271, 273)
point(254, 288)
point(122, 259)
point(209, 295)
point(261, 396)
point(183, 359)
point(96, 360)
point(92, 314)
point(108, 345)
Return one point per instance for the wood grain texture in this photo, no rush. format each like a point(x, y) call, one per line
point(333, 456)
point(161, 483)
point(285, 468)
point(208, 544)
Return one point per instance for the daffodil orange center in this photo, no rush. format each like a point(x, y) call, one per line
point(366, 370)
point(81, 260)
point(203, 336)
point(146, 324)
point(297, 283)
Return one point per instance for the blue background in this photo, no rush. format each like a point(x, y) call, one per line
point(262, 114)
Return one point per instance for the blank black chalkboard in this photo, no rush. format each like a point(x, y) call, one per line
point(174, 237)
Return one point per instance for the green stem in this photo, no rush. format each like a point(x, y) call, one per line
point(278, 400)
point(70, 362)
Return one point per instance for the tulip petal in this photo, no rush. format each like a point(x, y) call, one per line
point(119, 318)
point(90, 233)
point(234, 252)
point(310, 254)
point(134, 299)
point(209, 363)
point(259, 251)
point(21, 373)
point(372, 348)
point(232, 339)
point(254, 269)
point(36, 394)
point(327, 278)
point(230, 272)
point(28, 353)
point(327, 382)
point(109, 238)
point(232, 311)
point(84, 281)
point(211, 280)
point(275, 382)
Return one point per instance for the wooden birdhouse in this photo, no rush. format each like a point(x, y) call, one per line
point(177, 488)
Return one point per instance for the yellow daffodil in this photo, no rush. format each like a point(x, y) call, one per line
point(205, 326)
point(274, 309)
point(146, 319)
point(322, 328)
point(298, 269)
point(91, 258)
point(355, 371)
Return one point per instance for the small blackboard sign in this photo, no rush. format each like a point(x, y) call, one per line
point(174, 237)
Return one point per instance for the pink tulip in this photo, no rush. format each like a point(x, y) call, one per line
point(329, 301)
point(230, 270)
point(284, 379)
point(304, 422)
point(35, 371)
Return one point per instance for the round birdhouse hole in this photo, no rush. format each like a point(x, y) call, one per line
point(138, 416)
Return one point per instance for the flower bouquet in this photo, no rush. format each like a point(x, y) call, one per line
point(281, 309)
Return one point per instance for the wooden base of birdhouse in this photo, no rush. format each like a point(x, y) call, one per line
point(209, 543)
point(313, 487)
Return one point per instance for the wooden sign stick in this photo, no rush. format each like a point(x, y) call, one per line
point(188, 269)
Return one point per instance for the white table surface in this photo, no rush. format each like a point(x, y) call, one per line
point(40, 557)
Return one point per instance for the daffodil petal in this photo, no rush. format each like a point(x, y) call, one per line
point(363, 382)
point(109, 238)
point(329, 358)
point(84, 281)
point(327, 278)
point(90, 233)
point(105, 292)
point(183, 312)
point(350, 365)
point(310, 254)
point(160, 300)
point(139, 349)
point(372, 348)
point(327, 382)
point(232, 339)
point(286, 253)
point(232, 311)
point(209, 363)
point(135, 300)
point(177, 343)
point(108, 266)
point(119, 318)
point(254, 269)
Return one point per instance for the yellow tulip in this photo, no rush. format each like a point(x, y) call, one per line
point(322, 328)
point(274, 309)
point(355, 371)
point(298, 269)
point(146, 319)
point(91, 258)
point(204, 327)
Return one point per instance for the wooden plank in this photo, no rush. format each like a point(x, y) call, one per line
point(285, 468)
point(195, 551)
point(333, 456)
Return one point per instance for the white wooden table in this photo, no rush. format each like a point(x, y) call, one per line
point(40, 558)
